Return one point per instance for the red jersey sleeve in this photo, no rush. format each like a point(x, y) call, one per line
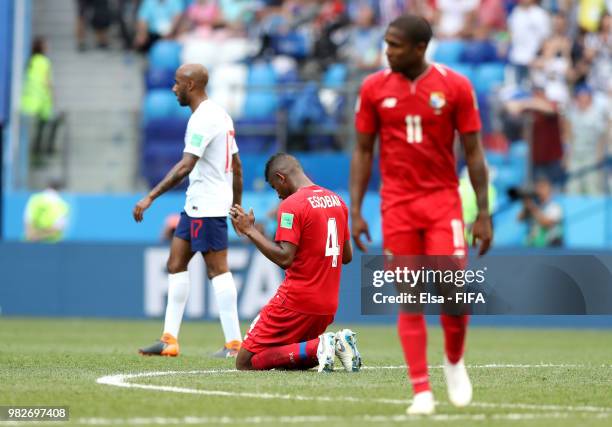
point(289, 227)
point(366, 118)
point(467, 118)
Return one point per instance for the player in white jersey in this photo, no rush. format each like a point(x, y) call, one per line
point(211, 160)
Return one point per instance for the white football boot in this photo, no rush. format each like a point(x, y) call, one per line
point(422, 404)
point(458, 383)
point(346, 350)
point(325, 352)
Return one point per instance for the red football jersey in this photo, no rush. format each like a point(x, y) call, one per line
point(316, 221)
point(416, 122)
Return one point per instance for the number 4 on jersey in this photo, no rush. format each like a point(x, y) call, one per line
point(332, 248)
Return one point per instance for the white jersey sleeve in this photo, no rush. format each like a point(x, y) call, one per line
point(199, 134)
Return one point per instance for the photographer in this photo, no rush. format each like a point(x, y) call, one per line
point(543, 215)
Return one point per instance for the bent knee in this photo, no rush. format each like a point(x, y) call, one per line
point(243, 360)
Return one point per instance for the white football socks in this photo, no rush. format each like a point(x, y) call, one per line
point(227, 296)
point(178, 291)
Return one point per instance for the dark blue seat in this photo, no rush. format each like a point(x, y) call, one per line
point(159, 78)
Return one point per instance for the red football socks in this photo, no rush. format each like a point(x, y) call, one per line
point(301, 355)
point(454, 335)
point(413, 335)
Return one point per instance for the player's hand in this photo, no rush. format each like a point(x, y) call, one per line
point(242, 221)
point(482, 231)
point(142, 205)
point(358, 227)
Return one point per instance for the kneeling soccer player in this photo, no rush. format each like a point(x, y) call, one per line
point(312, 243)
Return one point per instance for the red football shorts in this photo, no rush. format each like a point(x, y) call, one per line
point(428, 225)
point(276, 325)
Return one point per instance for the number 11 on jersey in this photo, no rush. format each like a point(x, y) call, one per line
point(414, 131)
point(332, 248)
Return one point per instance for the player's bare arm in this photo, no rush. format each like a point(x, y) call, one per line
point(280, 253)
point(175, 176)
point(347, 252)
point(237, 181)
point(482, 229)
point(361, 170)
point(236, 185)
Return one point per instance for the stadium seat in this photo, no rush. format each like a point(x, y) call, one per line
point(159, 78)
point(158, 103)
point(487, 76)
point(448, 51)
point(335, 76)
point(261, 101)
point(496, 159)
point(165, 128)
point(180, 112)
point(165, 54)
point(254, 136)
point(296, 45)
point(478, 52)
point(464, 69)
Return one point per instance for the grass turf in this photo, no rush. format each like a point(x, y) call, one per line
point(57, 362)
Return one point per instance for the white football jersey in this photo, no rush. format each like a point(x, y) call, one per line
point(210, 136)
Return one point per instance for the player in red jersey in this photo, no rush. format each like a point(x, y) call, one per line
point(415, 108)
point(312, 242)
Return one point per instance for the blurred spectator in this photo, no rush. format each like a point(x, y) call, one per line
point(543, 215)
point(37, 101)
point(126, 19)
point(529, 25)
point(96, 13)
point(587, 132)
point(238, 13)
point(552, 67)
point(544, 133)
point(46, 215)
point(492, 15)
point(590, 13)
point(363, 50)
point(157, 19)
point(455, 18)
point(328, 24)
point(598, 54)
point(202, 16)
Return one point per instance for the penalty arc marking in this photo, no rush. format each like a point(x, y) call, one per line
point(124, 381)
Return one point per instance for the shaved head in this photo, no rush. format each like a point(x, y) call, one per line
point(282, 163)
point(197, 73)
point(190, 82)
point(285, 174)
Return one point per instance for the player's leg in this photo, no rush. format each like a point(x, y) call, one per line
point(446, 237)
point(411, 328)
point(283, 339)
point(214, 238)
point(178, 290)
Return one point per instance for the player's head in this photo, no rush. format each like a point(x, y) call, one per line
point(282, 173)
point(190, 80)
point(407, 38)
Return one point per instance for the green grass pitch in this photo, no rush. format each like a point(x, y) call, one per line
point(521, 377)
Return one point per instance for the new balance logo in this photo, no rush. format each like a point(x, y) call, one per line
point(389, 102)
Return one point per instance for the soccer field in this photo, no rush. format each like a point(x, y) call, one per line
point(520, 377)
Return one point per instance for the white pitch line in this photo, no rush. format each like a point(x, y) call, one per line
point(194, 420)
point(121, 380)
